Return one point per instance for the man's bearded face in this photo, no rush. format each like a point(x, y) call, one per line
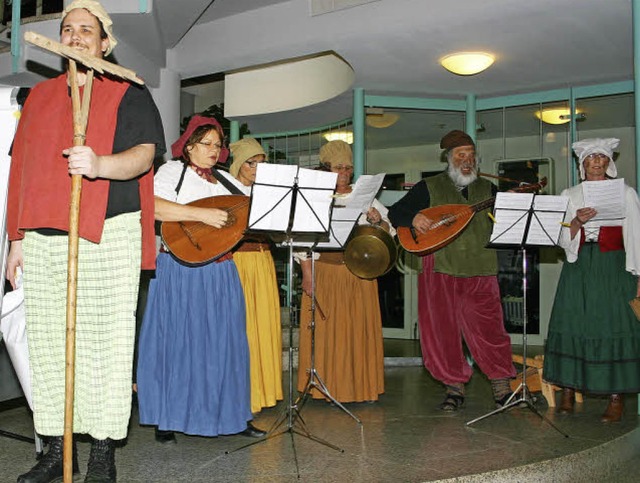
point(462, 165)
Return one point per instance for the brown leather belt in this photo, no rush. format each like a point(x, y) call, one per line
point(333, 258)
point(252, 247)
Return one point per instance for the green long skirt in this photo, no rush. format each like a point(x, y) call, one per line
point(593, 343)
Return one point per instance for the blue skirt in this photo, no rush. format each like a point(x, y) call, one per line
point(193, 364)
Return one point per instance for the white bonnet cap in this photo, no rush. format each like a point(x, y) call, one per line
point(596, 146)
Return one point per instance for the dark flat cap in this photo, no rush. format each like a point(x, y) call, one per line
point(456, 138)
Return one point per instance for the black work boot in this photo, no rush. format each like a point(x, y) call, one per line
point(50, 467)
point(102, 462)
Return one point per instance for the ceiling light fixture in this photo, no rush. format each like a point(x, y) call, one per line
point(467, 63)
point(557, 115)
point(379, 119)
point(346, 136)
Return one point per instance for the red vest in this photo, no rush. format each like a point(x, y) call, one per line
point(39, 182)
point(609, 238)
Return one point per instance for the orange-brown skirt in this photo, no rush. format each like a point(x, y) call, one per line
point(349, 355)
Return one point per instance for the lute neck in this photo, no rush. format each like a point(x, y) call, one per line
point(522, 189)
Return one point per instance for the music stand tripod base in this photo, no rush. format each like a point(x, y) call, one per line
point(292, 196)
point(291, 414)
point(522, 388)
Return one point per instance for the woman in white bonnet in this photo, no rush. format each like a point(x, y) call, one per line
point(593, 343)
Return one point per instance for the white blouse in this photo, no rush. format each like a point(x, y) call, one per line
point(630, 227)
point(193, 186)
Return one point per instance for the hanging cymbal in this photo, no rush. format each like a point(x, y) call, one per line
point(370, 252)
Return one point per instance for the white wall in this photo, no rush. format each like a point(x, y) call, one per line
point(167, 98)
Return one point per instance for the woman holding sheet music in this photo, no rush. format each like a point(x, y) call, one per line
point(348, 339)
point(593, 343)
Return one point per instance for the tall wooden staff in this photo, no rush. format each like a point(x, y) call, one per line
point(80, 118)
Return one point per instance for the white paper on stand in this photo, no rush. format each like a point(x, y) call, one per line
point(343, 220)
point(511, 214)
point(272, 197)
point(546, 221)
point(539, 217)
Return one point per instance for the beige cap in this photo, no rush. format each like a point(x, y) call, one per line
point(242, 150)
point(98, 10)
point(336, 152)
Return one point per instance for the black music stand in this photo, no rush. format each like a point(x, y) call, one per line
point(292, 206)
point(343, 220)
point(523, 220)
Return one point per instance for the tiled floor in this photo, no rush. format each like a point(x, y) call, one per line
point(403, 437)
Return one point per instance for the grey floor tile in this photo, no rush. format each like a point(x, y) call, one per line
point(403, 438)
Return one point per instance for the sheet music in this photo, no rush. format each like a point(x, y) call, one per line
point(546, 221)
point(272, 215)
point(347, 209)
point(543, 213)
point(607, 197)
point(342, 222)
point(363, 194)
point(315, 197)
point(272, 196)
point(510, 213)
point(509, 226)
point(514, 201)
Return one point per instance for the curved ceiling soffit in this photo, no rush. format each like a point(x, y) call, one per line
point(287, 85)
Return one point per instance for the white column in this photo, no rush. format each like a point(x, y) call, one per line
point(167, 97)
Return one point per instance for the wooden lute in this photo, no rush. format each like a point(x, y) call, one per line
point(197, 243)
point(448, 223)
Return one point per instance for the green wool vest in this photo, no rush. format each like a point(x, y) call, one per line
point(466, 256)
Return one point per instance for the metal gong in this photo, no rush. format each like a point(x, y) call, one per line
point(370, 252)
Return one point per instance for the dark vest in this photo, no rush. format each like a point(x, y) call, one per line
point(466, 256)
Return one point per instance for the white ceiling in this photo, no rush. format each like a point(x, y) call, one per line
point(394, 46)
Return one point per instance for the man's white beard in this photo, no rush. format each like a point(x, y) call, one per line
point(460, 179)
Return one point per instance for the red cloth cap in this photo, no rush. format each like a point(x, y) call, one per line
point(194, 123)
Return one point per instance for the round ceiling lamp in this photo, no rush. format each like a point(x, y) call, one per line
point(381, 121)
point(346, 136)
point(467, 63)
point(556, 115)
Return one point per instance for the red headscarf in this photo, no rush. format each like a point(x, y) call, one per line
point(194, 123)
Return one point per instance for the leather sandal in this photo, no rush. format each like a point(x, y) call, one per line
point(452, 402)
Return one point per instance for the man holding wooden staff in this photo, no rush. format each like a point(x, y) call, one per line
point(123, 135)
point(458, 292)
